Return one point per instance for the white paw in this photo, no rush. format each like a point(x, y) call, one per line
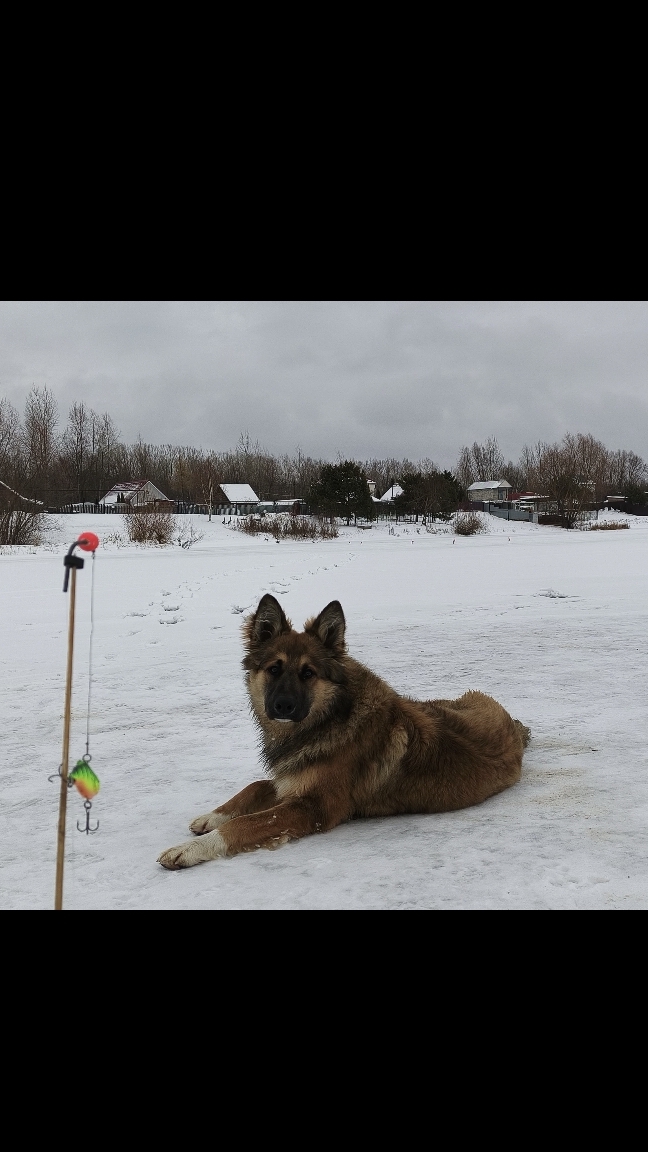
point(207, 847)
point(208, 823)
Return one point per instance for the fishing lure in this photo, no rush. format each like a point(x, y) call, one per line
point(85, 780)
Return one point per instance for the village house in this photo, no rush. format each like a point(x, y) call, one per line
point(233, 495)
point(490, 490)
point(530, 500)
point(140, 494)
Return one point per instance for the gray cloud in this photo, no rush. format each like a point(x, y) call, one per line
point(363, 378)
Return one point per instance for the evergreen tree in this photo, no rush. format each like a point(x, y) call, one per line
point(342, 490)
point(433, 494)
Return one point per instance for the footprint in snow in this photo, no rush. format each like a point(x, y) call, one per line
point(171, 607)
point(170, 620)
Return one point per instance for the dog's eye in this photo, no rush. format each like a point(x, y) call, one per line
point(275, 670)
point(306, 673)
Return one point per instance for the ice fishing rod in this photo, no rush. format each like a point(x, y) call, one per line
point(82, 776)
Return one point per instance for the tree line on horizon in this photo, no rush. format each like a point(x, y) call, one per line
point(43, 460)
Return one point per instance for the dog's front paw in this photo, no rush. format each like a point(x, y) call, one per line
point(208, 823)
point(208, 847)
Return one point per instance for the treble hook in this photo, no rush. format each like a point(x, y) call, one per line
point(88, 830)
point(57, 776)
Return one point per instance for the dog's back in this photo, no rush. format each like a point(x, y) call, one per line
point(440, 755)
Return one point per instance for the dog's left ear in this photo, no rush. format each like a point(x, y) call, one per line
point(329, 626)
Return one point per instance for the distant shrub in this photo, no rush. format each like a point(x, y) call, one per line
point(252, 525)
point(469, 524)
point(150, 527)
point(20, 527)
point(608, 526)
point(115, 538)
point(186, 535)
point(288, 527)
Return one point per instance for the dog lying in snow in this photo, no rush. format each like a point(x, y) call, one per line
point(340, 744)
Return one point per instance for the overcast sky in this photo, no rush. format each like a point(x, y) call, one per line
point(364, 379)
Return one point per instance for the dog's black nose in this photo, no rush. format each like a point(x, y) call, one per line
point(284, 707)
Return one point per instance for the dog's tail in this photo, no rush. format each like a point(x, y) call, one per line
point(523, 732)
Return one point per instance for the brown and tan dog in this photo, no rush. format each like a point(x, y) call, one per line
point(339, 743)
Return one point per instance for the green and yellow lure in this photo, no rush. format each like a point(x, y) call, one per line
point(85, 780)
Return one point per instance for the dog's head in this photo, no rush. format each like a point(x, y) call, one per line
point(292, 675)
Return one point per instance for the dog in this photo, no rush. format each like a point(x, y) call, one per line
point(340, 744)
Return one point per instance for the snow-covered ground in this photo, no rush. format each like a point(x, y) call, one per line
point(551, 623)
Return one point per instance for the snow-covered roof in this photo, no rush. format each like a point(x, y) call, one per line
point(27, 499)
point(392, 493)
point(129, 488)
point(239, 493)
point(483, 485)
point(126, 489)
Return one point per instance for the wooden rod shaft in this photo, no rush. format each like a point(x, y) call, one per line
point(60, 844)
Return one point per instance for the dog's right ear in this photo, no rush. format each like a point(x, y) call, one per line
point(268, 622)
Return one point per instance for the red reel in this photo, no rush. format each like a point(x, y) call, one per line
point(88, 541)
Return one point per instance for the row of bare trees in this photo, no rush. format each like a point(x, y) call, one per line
point(573, 473)
point(52, 465)
point(56, 464)
point(53, 462)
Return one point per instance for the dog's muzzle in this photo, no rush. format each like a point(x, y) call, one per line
point(287, 707)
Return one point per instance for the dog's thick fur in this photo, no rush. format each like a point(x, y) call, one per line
point(339, 743)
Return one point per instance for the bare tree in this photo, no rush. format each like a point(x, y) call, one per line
point(391, 471)
point(481, 462)
point(105, 446)
point(207, 472)
point(10, 432)
point(627, 475)
point(516, 476)
point(590, 458)
point(76, 448)
point(20, 513)
point(39, 441)
point(465, 469)
point(561, 472)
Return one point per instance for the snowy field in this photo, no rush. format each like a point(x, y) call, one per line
point(551, 623)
